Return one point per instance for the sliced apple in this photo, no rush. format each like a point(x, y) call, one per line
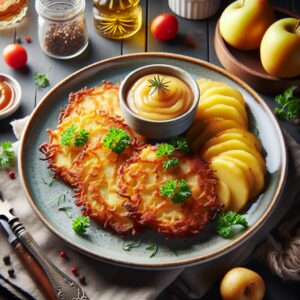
point(256, 168)
point(222, 111)
point(221, 99)
point(235, 180)
point(213, 150)
point(208, 84)
point(224, 194)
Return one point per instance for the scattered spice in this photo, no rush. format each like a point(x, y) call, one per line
point(63, 254)
point(82, 280)
point(6, 259)
point(11, 174)
point(64, 39)
point(74, 270)
point(18, 40)
point(11, 272)
point(28, 39)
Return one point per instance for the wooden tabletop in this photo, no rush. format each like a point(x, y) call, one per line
point(195, 39)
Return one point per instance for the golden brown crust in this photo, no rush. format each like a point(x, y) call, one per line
point(140, 179)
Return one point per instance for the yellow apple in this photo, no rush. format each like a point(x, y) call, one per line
point(280, 48)
point(242, 284)
point(244, 22)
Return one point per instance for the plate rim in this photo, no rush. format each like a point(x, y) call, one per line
point(177, 263)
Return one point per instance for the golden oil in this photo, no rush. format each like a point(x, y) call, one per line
point(117, 19)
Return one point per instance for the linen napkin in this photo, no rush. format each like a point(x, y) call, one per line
point(111, 282)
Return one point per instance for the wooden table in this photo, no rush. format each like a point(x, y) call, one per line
point(195, 39)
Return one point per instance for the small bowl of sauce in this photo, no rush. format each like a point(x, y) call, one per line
point(159, 101)
point(10, 95)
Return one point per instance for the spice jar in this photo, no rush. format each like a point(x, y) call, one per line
point(62, 28)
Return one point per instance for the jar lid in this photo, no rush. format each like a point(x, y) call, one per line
point(60, 10)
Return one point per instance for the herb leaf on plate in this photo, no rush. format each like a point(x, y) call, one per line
point(181, 144)
point(128, 245)
point(153, 248)
point(41, 80)
point(7, 155)
point(80, 224)
point(116, 139)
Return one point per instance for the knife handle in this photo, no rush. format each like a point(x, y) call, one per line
point(37, 274)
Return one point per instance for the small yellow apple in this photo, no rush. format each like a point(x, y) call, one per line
point(242, 284)
point(280, 48)
point(244, 22)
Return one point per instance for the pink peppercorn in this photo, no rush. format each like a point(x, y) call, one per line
point(74, 270)
point(12, 174)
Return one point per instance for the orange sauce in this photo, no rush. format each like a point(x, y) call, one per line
point(7, 94)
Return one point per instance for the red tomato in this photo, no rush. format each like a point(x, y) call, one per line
point(164, 27)
point(15, 56)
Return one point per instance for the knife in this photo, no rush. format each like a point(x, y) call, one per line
point(53, 283)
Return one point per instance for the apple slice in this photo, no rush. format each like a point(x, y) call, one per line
point(223, 111)
point(256, 168)
point(221, 99)
point(234, 178)
point(224, 194)
point(208, 84)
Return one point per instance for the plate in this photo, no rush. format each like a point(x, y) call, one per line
point(106, 246)
point(247, 64)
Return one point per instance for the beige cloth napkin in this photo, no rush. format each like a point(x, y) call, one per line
point(111, 282)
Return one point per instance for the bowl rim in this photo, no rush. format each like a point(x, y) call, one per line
point(10, 110)
point(143, 71)
point(245, 236)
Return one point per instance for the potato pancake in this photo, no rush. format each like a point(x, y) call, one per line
point(140, 180)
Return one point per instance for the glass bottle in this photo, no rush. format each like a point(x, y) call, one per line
point(117, 19)
point(61, 26)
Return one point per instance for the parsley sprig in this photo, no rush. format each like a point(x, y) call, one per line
point(180, 144)
point(80, 224)
point(226, 220)
point(176, 190)
point(290, 105)
point(7, 155)
point(165, 149)
point(171, 162)
point(116, 139)
point(41, 80)
point(69, 135)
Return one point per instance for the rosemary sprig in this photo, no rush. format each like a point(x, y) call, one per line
point(57, 199)
point(128, 245)
point(153, 249)
point(66, 209)
point(158, 84)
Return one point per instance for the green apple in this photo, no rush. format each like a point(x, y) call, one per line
point(280, 48)
point(244, 22)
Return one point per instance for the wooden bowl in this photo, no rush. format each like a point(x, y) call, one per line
point(247, 65)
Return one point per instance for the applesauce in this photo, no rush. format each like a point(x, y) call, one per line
point(159, 97)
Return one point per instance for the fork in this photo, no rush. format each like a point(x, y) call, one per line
point(53, 283)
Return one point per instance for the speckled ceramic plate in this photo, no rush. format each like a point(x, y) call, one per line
point(106, 246)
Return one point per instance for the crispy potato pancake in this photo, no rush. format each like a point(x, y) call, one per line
point(140, 180)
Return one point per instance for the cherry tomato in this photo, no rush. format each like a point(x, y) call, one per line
point(15, 56)
point(164, 27)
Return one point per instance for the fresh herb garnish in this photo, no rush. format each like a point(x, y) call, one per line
point(176, 190)
point(180, 144)
point(67, 135)
point(66, 209)
point(58, 198)
point(80, 224)
point(81, 138)
point(41, 80)
point(226, 220)
point(153, 248)
point(165, 149)
point(171, 162)
point(158, 84)
point(50, 182)
point(128, 245)
point(290, 105)
point(7, 155)
point(116, 139)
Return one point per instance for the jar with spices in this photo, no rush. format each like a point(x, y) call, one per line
point(62, 28)
point(117, 19)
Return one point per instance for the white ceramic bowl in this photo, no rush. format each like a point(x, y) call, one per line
point(12, 107)
point(164, 129)
point(195, 9)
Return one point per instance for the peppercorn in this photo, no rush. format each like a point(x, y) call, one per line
point(11, 272)
point(63, 254)
point(6, 259)
point(28, 39)
point(18, 40)
point(74, 270)
point(82, 280)
point(12, 174)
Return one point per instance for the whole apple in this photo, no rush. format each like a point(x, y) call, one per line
point(242, 284)
point(280, 48)
point(244, 22)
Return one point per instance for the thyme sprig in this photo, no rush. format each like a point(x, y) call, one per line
point(158, 84)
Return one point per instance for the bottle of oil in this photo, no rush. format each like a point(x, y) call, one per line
point(117, 19)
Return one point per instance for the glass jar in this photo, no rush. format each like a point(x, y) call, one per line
point(12, 12)
point(62, 27)
point(117, 19)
